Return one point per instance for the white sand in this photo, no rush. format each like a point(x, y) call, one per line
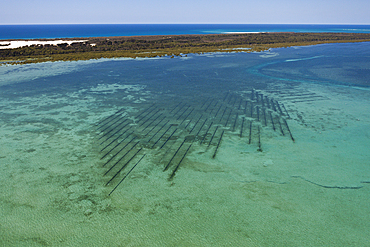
point(20, 43)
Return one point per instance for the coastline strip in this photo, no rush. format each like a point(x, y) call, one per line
point(73, 49)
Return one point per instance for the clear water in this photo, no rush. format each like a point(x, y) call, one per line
point(107, 30)
point(261, 149)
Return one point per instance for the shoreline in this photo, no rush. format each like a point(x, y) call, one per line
point(72, 49)
point(13, 44)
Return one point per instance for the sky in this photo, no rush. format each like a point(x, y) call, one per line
point(185, 11)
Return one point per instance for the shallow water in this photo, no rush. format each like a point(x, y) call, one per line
point(239, 149)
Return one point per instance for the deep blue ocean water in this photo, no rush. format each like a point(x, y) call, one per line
point(103, 30)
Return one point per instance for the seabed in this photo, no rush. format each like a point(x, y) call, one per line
point(260, 149)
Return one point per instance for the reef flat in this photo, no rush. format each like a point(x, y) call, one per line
point(167, 45)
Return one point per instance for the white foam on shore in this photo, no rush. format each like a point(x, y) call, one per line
point(240, 32)
point(269, 54)
point(21, 43)
point(236, 49)
point(112, 88)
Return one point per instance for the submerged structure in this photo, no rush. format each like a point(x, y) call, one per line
point(172, 126)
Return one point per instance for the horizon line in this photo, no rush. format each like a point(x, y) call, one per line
point(4, 24)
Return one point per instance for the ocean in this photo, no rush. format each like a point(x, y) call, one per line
point(106, 30)
point(215, 149)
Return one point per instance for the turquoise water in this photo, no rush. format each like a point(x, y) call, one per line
point(221, 149)
point(106, 30)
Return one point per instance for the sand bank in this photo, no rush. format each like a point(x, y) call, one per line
point(20, 43)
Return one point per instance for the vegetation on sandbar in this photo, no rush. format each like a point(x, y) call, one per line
point(170, 45)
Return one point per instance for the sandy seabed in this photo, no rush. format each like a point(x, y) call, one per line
point(311, 192)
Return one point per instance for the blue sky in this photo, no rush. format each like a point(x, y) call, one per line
point(185, 11)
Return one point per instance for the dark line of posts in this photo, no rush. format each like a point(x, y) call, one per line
point(204, 102)
point(227, 120)
point(183, 113)
point(281, 128)
point(236, 119)
point(112, 125)
point(204, 137)
point(126, 175)
point(234, 101)
point(250, 132)
point(196, 124)
point(162, 135)
point(145, 110)
point(158, 131)
point(290, 133)
point(168, 164)
point(241, 128)
point(286, 111)
point(218, 110)
point(105, 119)
point(227, 94)
point(116, 139)
point(273, 105)
point(264, 116)
point(231, 96)
point(259, 139)
point(186, 126)
point(268, 102)
point(272, 122)
point(187, 116)
point(117, 116)
point(175, 107)
point(118, 152)
point(278, 106)
point(262, 101)
point(147, 115)
point(178, 165)
point(208, 105)
point(223, 114)
point(155, 126)
point(218, 144)
point(113, 133)
point(117, 130)
point(240, 104)
point(117, 146)
point(179, 110)
point(121, 158)
point(149, 118)
point(152, 121)
point(214, 107)
point(123, 167)
point(212, 136)
point(201, 127)
point(251, 110)
point(168, 139)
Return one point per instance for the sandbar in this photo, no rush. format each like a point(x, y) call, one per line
point(12, 44)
